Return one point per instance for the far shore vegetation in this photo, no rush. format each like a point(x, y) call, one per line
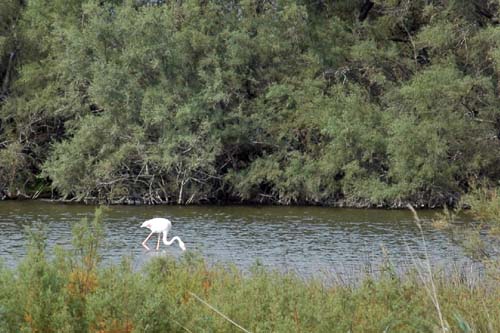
point(360, 103)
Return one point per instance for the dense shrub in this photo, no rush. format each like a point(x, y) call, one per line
point(341, 102)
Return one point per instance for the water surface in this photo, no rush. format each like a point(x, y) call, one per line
point(307, 240)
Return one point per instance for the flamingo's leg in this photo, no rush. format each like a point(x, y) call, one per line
point(147, 238)
point(158, 244)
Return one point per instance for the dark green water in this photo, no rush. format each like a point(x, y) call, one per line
point(309, 240)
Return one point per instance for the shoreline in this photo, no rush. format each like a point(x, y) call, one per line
point(402, 205)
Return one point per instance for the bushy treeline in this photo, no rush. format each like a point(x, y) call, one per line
point(72, 292)
point(283, 101)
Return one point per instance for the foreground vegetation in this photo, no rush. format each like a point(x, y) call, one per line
point(282, 101)
point(72, 292)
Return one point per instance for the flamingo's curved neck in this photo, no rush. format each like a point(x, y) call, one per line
point(169, 242)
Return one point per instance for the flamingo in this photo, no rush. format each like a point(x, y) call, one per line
point(160, 226)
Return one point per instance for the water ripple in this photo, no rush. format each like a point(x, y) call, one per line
point(300, 239)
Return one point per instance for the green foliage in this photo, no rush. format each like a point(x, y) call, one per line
point(281, 102)
point(481, 238)
point(484, 204)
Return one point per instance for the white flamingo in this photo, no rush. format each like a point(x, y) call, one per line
point(160, 226)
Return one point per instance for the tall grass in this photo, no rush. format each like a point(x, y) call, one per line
point(72, 292)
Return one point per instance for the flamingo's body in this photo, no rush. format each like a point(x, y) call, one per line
point(161, 226)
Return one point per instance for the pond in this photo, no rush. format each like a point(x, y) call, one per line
point(306, 240)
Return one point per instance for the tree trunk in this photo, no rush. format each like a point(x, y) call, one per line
point(179, 200)
point(365, 9)
point(5, 83)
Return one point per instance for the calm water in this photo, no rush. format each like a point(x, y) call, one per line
point(307, 240)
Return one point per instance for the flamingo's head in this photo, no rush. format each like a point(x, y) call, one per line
point(181, 245)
